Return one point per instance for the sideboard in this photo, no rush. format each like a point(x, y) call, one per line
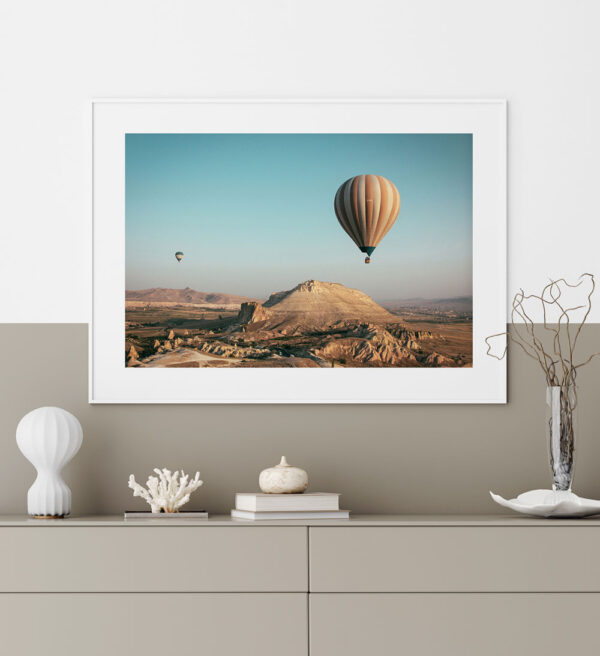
point(418, 585)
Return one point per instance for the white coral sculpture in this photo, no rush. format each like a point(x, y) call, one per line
point(167, 492)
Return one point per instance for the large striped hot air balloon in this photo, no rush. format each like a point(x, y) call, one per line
point(366, 207)
point(179, 256)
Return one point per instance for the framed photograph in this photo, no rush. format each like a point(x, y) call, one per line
point(298, 251)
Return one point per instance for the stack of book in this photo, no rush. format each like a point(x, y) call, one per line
point(310, 505)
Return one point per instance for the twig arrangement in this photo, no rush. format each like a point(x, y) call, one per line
point(555, 356)
point(553, 347)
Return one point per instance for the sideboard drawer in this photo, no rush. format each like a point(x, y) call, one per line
point(454, 624)
point(153, 624)
point(153, 559)
point(455, 559)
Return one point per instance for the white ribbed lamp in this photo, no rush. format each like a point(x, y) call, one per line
point(49, 438)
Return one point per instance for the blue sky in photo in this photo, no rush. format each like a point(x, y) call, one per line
point(253, 213)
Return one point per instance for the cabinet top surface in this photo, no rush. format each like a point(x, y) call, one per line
point(355, 520)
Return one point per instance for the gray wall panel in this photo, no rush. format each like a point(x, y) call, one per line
point(385, 459)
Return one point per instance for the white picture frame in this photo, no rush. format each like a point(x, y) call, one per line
point(111, 382)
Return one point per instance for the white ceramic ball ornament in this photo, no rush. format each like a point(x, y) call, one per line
point(49, 438)
point(283, 479)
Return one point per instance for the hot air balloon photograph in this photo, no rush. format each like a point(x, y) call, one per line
point(302, 251)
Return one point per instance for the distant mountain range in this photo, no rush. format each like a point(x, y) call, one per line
point(187, 295)
point(456, 304)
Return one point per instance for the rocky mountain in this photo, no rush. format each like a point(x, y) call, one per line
point(187, 295)
point(322, 304)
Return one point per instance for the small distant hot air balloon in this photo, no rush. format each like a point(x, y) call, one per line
point(179, 256)
point(367, 207)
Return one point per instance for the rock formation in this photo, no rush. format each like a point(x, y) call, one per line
point(252, 312)
point(372, 345)
point(224, 349)
point(311, 306)
point(132, 356)
point(437, 360)
point(321, 304)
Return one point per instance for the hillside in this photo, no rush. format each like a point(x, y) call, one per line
point(320, 304)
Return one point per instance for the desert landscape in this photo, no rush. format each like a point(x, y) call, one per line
point(314, 324)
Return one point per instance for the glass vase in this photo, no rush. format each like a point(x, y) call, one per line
point(560, 423)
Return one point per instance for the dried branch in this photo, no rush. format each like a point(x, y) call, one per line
point(555, 352)
point(557, 360)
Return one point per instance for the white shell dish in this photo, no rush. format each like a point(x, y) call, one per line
point(283, 479)
point(548, 503)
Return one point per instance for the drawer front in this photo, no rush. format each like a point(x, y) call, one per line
point(455, 559)
point(454, 624)
point(153, 559)
point(153, 624)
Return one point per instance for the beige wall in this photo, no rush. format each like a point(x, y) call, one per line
point(388, 459)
